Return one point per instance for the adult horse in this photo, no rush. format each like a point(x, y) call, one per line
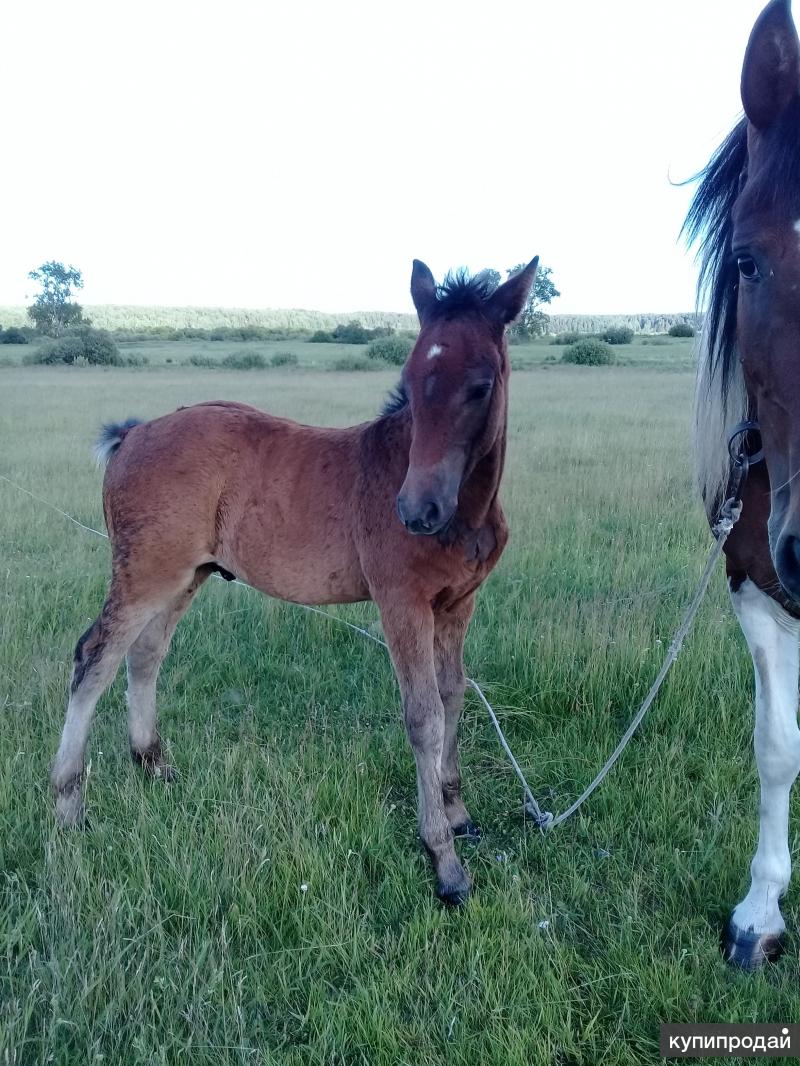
point(403, 510)
point(747, 213)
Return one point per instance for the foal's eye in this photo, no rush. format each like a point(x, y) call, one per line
point(748, 268)
point(479, 392)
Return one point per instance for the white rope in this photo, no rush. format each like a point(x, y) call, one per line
point(545, 820)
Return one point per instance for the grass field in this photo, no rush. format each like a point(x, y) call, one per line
point(274, 906)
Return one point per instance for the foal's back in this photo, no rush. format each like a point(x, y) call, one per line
point(268, 499)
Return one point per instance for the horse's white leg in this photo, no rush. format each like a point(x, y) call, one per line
point(756, 926)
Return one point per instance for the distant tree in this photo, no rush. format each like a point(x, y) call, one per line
point(53, 310)
point(533, 322)
point(492, 278)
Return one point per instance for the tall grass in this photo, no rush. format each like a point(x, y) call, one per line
point(274, 905)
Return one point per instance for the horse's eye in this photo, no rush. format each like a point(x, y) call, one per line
point(479, 392)
point(748, 268)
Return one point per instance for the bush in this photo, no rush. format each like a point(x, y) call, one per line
point(201, 360)
point(351, 333)
point(617, 335)
point(394, 350)
point(358, 362)
point(321, 336)
point(245, 361)
point(589, 352)
point(12, 335)
point(568, 338)
point(81, 347)
point(133, 359)
point(681, 329)
point(283, 359)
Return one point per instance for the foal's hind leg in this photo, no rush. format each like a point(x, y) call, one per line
point(449, 633)
point(756, 927)
point(97, 657)
point(144, 661)
point(409, 634)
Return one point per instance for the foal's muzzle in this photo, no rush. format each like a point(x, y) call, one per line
point(424, 517)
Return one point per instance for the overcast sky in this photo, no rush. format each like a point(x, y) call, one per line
point(301, 154)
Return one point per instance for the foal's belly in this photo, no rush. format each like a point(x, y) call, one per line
point(298, 565)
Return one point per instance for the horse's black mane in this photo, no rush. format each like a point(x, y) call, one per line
point(459, 294)
point(709, 222)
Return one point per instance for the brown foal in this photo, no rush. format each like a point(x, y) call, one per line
point(403, 510)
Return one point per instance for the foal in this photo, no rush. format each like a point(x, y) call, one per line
point(403, 510)
point(747, 210)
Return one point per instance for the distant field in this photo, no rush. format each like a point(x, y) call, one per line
point(656, 351)
point(176, 930)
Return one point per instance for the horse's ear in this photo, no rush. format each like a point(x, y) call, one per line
point(423, 289)
point(507, 303)
point(771, 71)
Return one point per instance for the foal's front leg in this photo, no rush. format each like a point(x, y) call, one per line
point(756, 926)
point(448, 647)
point(409, 634)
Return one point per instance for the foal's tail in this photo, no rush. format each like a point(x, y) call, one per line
point(111, 437)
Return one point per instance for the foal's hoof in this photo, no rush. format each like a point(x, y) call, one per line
point(154, 766)
point(748, 950)
point(469, 832)
point(70, 811)
point(453, 895)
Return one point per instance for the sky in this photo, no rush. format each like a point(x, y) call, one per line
point(302, 154)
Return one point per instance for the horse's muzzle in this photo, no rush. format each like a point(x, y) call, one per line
point(425, 517)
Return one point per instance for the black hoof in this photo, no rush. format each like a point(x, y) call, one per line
point(468, 831)
point(452, 896)
point(748, 950)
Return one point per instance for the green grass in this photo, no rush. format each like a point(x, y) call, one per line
point(176, 929)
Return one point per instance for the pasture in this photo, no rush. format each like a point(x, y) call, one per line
point(274, 905)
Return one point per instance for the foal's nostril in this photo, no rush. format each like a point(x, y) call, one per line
point(431, 513)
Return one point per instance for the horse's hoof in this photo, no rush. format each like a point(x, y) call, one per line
point(164, 772)
point(70, 810)
point(453, 895)
point(748, 950)
point(469, 832)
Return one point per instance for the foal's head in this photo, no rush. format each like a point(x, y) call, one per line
point(455, 383)
point(765, 254)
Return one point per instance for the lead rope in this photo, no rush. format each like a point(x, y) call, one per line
point(727, 518)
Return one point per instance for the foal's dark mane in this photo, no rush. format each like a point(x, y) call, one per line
point(710, 223)
point(460, 294)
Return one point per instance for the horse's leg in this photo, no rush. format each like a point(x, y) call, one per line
point(409, 634)
point(98, 654)
point(756, 926)
point(144, 661)
point(450, 629)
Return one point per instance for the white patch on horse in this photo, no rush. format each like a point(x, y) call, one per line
point(434, 350)
point(772, 637)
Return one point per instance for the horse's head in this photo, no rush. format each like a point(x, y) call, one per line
point(455, 382)
point(765, 247)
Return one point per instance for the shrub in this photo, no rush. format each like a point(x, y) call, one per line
point(394, 350)
point(681, 329)
point(321, 336)
point(568, 338)
point(95, 346)
point(134, 359)
point(245, 361)
point(283, 359)
point(12, 335)
point(358, 362)
point(351, 333)
point(589, 352)
point(201, 360)
point(617, 335)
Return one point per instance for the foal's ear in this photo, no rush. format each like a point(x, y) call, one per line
point(771, 71)
point(423, 289)
point(507, 303)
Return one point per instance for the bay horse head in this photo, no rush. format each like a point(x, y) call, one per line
point(765, 245)
point(455, 383)
point(747, 210)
